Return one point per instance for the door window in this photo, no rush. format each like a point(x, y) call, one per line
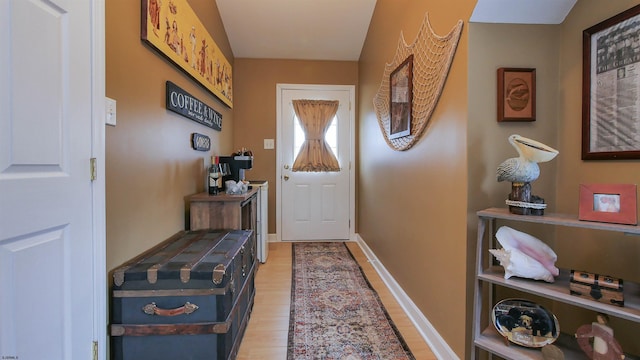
point(331, 136)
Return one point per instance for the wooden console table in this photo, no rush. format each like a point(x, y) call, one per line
point(224, 211)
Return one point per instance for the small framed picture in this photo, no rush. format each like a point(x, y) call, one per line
point(610, 203)
point(401, 99)
point(516, 94)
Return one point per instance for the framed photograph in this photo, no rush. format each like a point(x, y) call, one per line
point(610, 57)
point(174, 30)
point(401, 99)
point(516, 94)
point(610, 203)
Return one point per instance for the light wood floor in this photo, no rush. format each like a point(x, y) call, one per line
point(266, 334)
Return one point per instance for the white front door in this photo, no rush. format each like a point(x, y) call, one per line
point(315, 205)
point(47, 293)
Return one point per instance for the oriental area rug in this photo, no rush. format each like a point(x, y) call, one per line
point(335, 313)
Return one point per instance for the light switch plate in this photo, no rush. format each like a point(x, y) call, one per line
point(269, 144)
point(110, 111)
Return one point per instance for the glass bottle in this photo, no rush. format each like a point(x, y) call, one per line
point(214, 175)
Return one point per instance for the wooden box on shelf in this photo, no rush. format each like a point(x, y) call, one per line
point(605, 289)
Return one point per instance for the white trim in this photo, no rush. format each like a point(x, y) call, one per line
point(352, 150)
point(438, 346)
point(98, 84)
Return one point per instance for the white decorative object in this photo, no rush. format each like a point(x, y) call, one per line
point(525, 167)
point(521, 171)
point(518, 264)
point(525, 256)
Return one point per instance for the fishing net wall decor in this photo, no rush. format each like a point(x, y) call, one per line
point(432, 58)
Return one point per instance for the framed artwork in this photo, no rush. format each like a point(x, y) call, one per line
point(516, 94)
point(610, 57)
point(173, 29)
point(401, 99)
point(610, 203)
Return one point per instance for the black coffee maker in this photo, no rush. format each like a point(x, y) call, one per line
point(237, 164)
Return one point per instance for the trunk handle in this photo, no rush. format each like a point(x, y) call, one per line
point(152, 309)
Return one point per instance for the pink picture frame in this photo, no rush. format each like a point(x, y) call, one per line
point(609, 203)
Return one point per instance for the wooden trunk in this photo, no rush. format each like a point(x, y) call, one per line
point(188, 298)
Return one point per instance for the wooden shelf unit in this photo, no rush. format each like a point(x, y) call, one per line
point(488, 275)
point(224, 211)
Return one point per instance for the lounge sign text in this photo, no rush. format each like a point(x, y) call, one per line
point(183, 103)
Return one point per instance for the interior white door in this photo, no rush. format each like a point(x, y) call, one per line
point(315, 205)
point(46, 239)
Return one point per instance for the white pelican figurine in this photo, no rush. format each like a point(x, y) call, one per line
point(525, 168)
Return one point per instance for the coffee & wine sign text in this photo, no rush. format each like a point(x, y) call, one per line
point(183, 103)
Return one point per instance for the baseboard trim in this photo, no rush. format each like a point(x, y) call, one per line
point(439, 347)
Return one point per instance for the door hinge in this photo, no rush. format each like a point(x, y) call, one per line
point(95, 350)
point(93, 168)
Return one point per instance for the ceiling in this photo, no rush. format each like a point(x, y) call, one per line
point(296, 29)
point(336, 29)
point(522, 11)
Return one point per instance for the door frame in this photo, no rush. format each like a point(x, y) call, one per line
point(352, 179)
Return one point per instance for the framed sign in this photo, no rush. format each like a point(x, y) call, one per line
point(610, 203)
point(185, 104)
point(516, 94)
point(174, 30)
point(610, 110)
point(200, 142)
point(401, 99)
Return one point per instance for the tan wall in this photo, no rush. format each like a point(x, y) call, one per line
point(598, 252)
point(255, 107)
point(150, 166)
point(412, 204)
point(519, 46)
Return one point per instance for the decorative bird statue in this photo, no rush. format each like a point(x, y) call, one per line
point(524, 168)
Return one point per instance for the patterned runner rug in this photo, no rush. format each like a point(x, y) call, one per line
point(335, 313)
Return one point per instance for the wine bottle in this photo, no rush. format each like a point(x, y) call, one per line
point(214, 175)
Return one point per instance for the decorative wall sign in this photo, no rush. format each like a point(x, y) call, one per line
point(173, 29)
point(183, 103)
point(200, 142)
point(432, 58)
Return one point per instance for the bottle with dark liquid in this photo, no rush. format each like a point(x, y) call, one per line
point(214, 175)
